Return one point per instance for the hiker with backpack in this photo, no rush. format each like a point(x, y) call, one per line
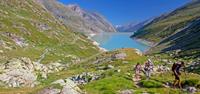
point(148, 68)
point(176, 71)
point(137, 69)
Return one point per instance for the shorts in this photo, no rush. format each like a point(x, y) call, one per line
point(177, 77)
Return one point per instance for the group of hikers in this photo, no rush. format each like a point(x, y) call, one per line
point(148, 69)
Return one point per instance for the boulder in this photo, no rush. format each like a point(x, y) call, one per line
point(18, 72)
point(85, 78)
point(126, 92)
point(69, 87)
point(68, 90)
point(110, 67)
point(137, 51)
point(191, 90)
point(49, 91)
point(120, 56)
point(22, 72)
point(125, 62)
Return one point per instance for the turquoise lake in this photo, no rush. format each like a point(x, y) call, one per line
point(112, 41)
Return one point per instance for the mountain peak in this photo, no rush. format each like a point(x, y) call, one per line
point(74, 16)
point(74, 7)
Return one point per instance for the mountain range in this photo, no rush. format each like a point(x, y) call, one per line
point(132, 27)
point(78, 19)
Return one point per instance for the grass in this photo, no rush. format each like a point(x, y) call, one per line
point(109, 85)
point(58, 38)
point(151, 84)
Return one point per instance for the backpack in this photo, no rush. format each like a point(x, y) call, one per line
point(174, 67)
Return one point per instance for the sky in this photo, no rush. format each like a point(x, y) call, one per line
point(120, 12)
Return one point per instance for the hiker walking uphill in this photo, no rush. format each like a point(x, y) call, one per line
point(148, 68)
point(137, 69)
point(176, 71)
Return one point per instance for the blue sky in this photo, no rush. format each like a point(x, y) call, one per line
point(126, 11)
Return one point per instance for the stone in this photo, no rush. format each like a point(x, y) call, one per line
point(110, 67)
point(1, 51)
point(68, 90)
point(191, 90)
point(120, 56)
point(61, 82)
point(125, 62)
point(49, 91)
point(126, 92)
point(21, 72)
point(69, 87)
point(85, 78)
point(137, 51)
point(118, 70)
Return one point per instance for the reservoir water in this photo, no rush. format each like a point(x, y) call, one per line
point(112, 41)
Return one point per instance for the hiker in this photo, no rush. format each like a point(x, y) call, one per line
point(148, 68)
point(137, 70)
point(176, 71)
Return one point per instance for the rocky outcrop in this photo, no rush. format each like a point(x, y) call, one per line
point(20, 41)
point(191, 90)
point(23, 72)
point(132, 27)
point(126, 92)
point(18, 72)
point(194, 67)
point(50, 91)
point(119, 56)
point(68, 87)
point(85, 78)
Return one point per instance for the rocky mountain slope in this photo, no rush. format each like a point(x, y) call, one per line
point(34, 44)
point(178, 30)
point(28, 30)
point(79, 19)
point(132, 27)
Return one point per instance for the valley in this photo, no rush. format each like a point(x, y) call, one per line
point(47, 47)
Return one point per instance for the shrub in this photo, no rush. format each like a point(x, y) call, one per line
point(198, 86)
point(151, 84)
point(190, 82)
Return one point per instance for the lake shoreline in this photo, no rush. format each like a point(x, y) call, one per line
point(112, 41)
point(148, 43)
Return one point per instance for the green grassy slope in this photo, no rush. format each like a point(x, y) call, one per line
point(187, 41)
point(168, 24)
point(113, 81)
point(26, 22)
point(178, 30)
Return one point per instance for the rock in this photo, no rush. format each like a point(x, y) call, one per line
point(68, 90)
point(110, 67)
point(2, 43)
point(85, 78)
point(120, 56)
point(50, 91)
point(61, 82)
point(161, 68)
point(118, 70)
point(191, 90)
point(126, 92)
point(69, 87)
point(138, 52)
point(1, 51)
point(21, 72)
point(125, 62)
point(44, 75)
